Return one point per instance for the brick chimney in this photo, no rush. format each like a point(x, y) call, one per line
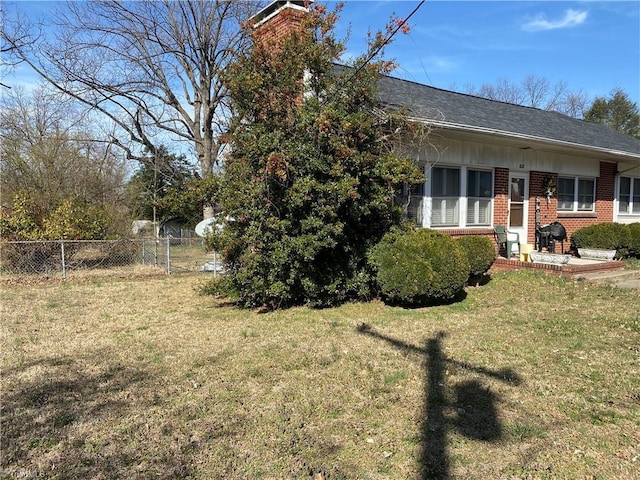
point(274, 23)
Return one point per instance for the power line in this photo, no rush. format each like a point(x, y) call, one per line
point(382, 45)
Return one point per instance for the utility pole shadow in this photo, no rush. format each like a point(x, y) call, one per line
point(477, 416)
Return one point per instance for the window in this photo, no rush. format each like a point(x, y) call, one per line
point(449, 205)
point(517, 202)
point(566, 193)
point(629, 199)
point(479, 195)
point(445, 193)
point(586, 195)
point(576, 194)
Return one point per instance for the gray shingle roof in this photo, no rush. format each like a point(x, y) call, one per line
point(468, 112)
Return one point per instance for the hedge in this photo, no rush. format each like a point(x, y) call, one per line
point(608, 236)
point(481, 253)
point(419, 267)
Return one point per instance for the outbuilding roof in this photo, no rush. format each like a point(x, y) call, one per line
point(465, 112)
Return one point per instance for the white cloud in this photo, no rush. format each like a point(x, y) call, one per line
point(570, 19)
point(441, 64)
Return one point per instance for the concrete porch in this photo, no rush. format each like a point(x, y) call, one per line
point(577, 267)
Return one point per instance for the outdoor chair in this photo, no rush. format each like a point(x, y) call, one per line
point(506, 238)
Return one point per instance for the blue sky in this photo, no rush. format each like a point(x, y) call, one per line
point(592, 46)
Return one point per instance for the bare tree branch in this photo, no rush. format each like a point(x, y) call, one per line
point(151, 67)
point(52, 151)
point(535, 92)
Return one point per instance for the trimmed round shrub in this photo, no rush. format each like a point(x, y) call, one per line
point(419, 267)
point(608, 236)
point(481, 253)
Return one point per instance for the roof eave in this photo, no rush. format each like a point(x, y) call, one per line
point(531, 138)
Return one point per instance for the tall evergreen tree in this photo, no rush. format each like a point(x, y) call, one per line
point(167, 186)
point(157, 177)
point(617, 111)
point(309, 183)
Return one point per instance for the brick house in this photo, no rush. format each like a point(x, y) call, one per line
point(491, 163)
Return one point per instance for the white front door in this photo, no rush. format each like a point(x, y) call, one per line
point(518, 204)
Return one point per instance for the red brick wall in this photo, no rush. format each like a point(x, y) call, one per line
point(271, 35)
point(466, 232)
point(605, 191)
point(548, 208)
point(572, 221)
point(278, 28)
point(501, 196)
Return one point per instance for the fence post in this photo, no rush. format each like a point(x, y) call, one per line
point(168, 255)
point(64, 265)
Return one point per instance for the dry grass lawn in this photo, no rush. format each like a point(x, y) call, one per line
point(528, 377)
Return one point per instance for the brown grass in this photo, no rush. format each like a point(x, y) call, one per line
point(527, 377)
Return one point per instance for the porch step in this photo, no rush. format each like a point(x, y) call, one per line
point(574, 269)
point(619, 276)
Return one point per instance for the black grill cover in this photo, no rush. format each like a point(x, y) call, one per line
point(556, 230)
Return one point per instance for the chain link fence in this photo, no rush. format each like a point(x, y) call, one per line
point(171, 255)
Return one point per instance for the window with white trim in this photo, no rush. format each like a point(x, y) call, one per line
point(461, 193)
point(445, 197)
point(576, 194)
point(479, 196)
point(629, 198)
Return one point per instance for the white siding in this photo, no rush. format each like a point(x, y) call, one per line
point(462, 152)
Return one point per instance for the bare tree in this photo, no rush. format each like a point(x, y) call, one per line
point(502, 90)
point(49, 152)
point(22, 32)
point(535, 92)
point(152, 67)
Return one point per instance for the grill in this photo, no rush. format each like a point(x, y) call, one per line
point(548, 235)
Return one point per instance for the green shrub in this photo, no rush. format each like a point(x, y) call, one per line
point(72, 219)
point(624, 241)
point(634, 231)
point(218, 286)
point(481, 253)
point(593, 236)
point(419, 267)
point(609, 236)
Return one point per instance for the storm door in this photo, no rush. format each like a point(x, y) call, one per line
point(518, 205)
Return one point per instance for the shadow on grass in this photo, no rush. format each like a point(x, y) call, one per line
point(477, 415)
point(424, 303)
point(72, 418)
